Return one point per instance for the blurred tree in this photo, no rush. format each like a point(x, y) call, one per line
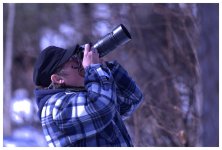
point(8, 67)
point(208, 54)
point(86, 22)
point(169, 35)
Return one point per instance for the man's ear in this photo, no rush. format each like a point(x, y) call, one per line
point(57, 79)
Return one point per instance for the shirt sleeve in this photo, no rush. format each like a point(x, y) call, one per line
point(129, 96)
point(85, 114)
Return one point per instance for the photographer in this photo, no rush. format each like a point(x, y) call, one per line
point(83, 102)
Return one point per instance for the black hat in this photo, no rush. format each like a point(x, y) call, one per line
point(48, 61)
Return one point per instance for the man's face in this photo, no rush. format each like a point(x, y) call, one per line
point(70, 73)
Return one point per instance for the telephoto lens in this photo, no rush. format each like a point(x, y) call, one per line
point(118, 36)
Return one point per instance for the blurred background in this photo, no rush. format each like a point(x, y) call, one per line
point(173, 56)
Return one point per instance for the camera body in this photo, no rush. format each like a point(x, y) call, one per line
point(109, 42)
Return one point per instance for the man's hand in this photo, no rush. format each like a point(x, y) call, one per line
point(90, 57)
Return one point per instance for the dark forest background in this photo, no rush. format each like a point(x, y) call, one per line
point(173, 56)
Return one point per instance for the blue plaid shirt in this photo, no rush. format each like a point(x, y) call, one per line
point(94, 116)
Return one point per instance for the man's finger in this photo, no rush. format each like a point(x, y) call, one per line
point(87, 48)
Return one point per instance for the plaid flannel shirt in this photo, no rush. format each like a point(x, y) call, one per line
point(93, 117)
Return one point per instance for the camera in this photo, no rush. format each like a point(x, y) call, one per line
point(109, 42)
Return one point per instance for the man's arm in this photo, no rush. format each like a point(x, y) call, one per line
point(129, 96)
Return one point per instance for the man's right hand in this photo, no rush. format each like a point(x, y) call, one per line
point(90, 57)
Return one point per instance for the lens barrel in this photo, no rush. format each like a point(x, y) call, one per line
point(111, 41)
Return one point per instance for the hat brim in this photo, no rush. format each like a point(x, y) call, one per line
point(68, 54)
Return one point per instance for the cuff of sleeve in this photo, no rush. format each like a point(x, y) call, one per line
point(112, 65)
point(92, 66)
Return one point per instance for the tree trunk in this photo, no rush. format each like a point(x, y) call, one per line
point(208, 53)
point(7, 68)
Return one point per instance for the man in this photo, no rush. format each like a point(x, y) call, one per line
point(83, 102)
